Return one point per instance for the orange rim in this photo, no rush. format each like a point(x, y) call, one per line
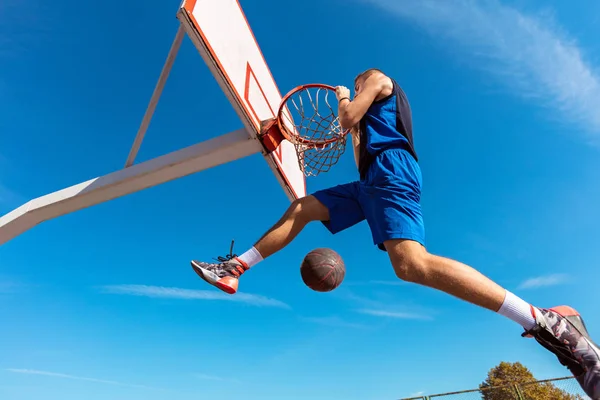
point(292, 136)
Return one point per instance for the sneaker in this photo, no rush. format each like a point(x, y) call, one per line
point(562, 331)
point(224, 274)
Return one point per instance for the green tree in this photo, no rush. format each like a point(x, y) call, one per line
point(501, 381)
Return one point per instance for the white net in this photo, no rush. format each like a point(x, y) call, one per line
point(313, 127)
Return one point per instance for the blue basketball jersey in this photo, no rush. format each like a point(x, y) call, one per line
point(386, 125)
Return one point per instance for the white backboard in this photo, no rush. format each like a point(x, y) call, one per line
point(221, 33)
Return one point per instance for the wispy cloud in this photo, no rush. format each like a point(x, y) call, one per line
point(532, 55)
point(189, 294)
point(335, 322)
point(394, 314)
point(208, 377)
point(547, 280)
point(396, 282)
point(9, 196)
point(7, 287)
point(363, 301)
point(79, 378)
point(24, 29)
point(9, 284)
point(386, 306)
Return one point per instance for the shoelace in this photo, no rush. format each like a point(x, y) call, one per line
point(228, 257)
point(560, 350)
point(235, 270)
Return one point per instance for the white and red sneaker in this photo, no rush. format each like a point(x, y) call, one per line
point(224, 274)
point(562, 331)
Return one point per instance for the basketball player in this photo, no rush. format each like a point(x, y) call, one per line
point(387, 196)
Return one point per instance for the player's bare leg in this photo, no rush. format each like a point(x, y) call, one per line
point(560, 329)
point(225, 274)
point(413, 263)
point(297, 216)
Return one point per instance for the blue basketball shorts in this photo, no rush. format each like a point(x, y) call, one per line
point(388, 198)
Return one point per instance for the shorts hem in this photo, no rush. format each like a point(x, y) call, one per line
point(331, 227)
point(415, 237)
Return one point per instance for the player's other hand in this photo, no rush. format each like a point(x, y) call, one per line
point(341, 92)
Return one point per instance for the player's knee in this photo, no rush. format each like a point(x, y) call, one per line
point(411, 267)
point(307, 209)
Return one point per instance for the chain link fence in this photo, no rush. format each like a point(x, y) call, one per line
point(550, 389)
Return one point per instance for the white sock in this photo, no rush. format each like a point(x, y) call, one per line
point(251, 257)
point(517, 310)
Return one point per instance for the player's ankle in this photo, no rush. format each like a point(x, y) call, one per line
point(251, 257)
point(517, 310)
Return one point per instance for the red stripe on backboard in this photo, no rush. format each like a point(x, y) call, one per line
point(277, 87)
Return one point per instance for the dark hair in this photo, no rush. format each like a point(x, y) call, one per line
point(367, 73)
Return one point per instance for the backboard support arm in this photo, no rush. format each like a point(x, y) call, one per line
point(189, 160)
point(160, 84)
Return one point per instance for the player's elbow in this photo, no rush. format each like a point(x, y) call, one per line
point(348, 121)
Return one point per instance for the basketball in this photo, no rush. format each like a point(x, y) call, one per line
point(322, 270)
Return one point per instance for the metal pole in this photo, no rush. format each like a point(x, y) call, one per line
point(518, 392)
point(162, 79)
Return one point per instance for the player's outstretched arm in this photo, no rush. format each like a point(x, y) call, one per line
point(351, 112)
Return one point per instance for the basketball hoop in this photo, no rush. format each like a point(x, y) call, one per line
point(307, 119)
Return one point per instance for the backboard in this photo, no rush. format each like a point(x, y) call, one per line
point(221, 33)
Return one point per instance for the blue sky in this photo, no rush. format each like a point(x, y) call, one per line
point(102, 303)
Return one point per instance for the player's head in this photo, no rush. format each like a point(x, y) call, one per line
point(362, 77)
